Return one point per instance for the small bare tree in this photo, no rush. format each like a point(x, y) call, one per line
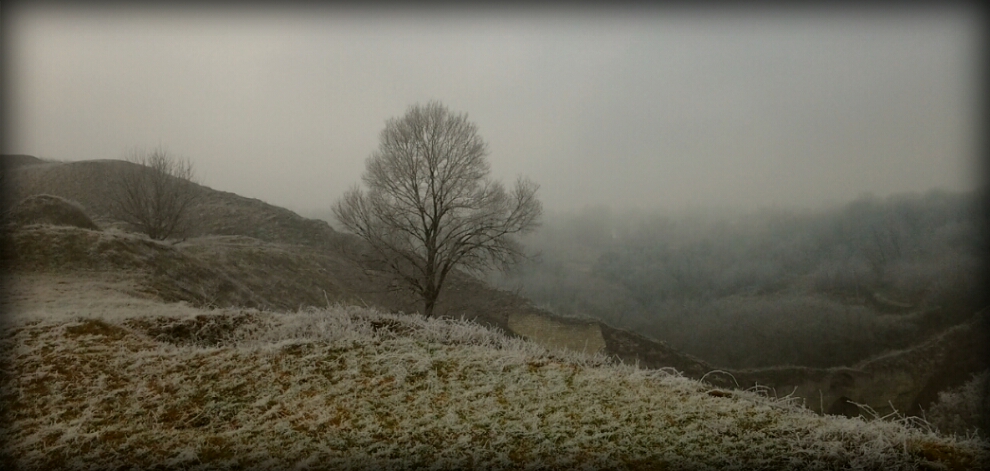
point(153, 191)
point(430, 205)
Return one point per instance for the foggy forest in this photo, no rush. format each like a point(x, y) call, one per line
point(814, 288)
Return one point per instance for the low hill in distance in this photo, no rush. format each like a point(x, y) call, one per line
point(48, 209)
point(216, 213)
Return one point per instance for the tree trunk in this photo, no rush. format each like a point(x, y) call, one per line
point(430, 295)
point(430, 301)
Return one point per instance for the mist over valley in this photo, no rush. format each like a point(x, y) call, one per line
point(631, 238)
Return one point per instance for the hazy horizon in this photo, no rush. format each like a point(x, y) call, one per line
point(649, 108)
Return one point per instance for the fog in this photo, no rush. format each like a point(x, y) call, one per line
point(625, 107)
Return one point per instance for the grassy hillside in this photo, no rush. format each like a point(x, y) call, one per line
point(267, 258)
point(94, 377)
point(216, 213)
point(239, 252)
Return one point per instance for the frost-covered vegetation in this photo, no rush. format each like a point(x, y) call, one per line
point(964, 410)
point(814, 288)
point(351, 388)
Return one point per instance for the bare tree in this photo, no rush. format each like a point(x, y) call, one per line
point(430, 205)
point(153, 191)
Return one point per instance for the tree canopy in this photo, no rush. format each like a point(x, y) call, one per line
point(430, 205)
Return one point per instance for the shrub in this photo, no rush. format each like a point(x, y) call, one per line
point(965, 409)
point(153, 193)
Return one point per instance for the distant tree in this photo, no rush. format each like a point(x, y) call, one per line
point(153, 192)
point(430, 205)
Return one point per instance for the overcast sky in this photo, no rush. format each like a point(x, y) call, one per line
point(648, 108)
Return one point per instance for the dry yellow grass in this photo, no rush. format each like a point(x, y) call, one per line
point(113, 381)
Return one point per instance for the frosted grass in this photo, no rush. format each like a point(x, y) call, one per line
point(353, 388)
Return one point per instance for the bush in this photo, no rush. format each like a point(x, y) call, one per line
point(154, 193)
point(965, 409)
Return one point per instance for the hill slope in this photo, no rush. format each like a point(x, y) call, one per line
point(216, 213)
point(95, 377)
point(251, 254)
point(286, 260)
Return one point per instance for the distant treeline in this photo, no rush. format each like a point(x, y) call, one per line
point(815, 288)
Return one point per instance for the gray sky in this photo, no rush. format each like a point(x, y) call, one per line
point(658, 108)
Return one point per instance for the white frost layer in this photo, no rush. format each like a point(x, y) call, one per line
point(352, 388)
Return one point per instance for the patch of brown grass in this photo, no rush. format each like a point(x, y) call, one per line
point(206, 330)
point(96, 327)
point(949, 457)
